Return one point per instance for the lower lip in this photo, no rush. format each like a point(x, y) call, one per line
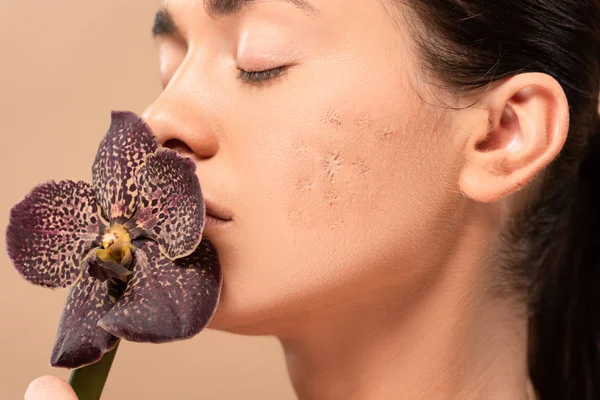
point(213, 222)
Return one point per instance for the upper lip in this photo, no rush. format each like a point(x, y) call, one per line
point(216, 211)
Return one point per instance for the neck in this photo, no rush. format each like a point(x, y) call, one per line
point(448, 340)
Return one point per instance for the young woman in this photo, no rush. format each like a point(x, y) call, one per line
point(408, 189)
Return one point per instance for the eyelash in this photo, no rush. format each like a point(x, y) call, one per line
point(258, 77)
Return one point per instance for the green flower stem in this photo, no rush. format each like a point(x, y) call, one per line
point(88, 381)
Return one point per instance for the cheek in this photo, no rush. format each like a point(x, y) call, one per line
point(350, 193)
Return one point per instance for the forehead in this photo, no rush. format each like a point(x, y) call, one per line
point(165, 24)
point(226, 7)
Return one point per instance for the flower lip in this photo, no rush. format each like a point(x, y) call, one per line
point(216, 211)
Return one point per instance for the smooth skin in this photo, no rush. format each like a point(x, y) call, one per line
point(366, 200)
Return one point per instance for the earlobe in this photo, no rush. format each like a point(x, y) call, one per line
point(528, 122)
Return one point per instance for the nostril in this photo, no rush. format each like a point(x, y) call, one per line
point(179, 146)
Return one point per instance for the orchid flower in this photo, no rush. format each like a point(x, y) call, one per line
point(130, 244)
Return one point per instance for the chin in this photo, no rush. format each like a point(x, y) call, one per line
point(239, 320)
point(243, 317)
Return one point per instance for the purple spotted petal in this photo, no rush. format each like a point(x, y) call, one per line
point(166, 300)
point(51, 230)
point(80, 341)
point(171, 207)
point(122, 150)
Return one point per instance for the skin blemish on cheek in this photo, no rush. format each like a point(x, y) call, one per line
point(332, 117)
point(295, 214)
point(304, 184)
point(333, 164)
point(361, 166)
point(328, 171)
point(331, 198)
point(336, 224)
point(300, 149)
point(364, 121)
point(387, 132)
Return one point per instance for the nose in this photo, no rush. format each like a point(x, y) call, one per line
point(180, 122)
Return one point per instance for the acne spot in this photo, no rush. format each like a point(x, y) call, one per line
point(336, 224)
point(364, 121)
point(361, 166)
point(331, 198)
point(333, 164)
point(296, 215)
point(304, 184)
point(332, 117)
point(300, 148)
point(387, 132)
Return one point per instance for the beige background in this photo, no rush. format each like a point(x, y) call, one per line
point(64, 64)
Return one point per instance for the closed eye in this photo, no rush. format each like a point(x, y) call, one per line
point(257, 77)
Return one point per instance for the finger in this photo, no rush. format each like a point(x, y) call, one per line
point(49, 388)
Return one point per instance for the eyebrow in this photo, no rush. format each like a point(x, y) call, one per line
point(164, 25)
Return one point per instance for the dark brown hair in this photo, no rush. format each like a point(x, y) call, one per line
point(553, 246)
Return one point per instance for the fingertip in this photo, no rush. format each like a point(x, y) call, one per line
point(49, 388)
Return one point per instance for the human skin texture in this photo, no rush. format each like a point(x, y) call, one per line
point(366, 201)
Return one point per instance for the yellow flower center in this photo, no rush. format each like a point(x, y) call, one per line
point(117, 245)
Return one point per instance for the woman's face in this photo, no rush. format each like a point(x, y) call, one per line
point(331, 171)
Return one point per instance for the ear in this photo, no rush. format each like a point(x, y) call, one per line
point(527, 125)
